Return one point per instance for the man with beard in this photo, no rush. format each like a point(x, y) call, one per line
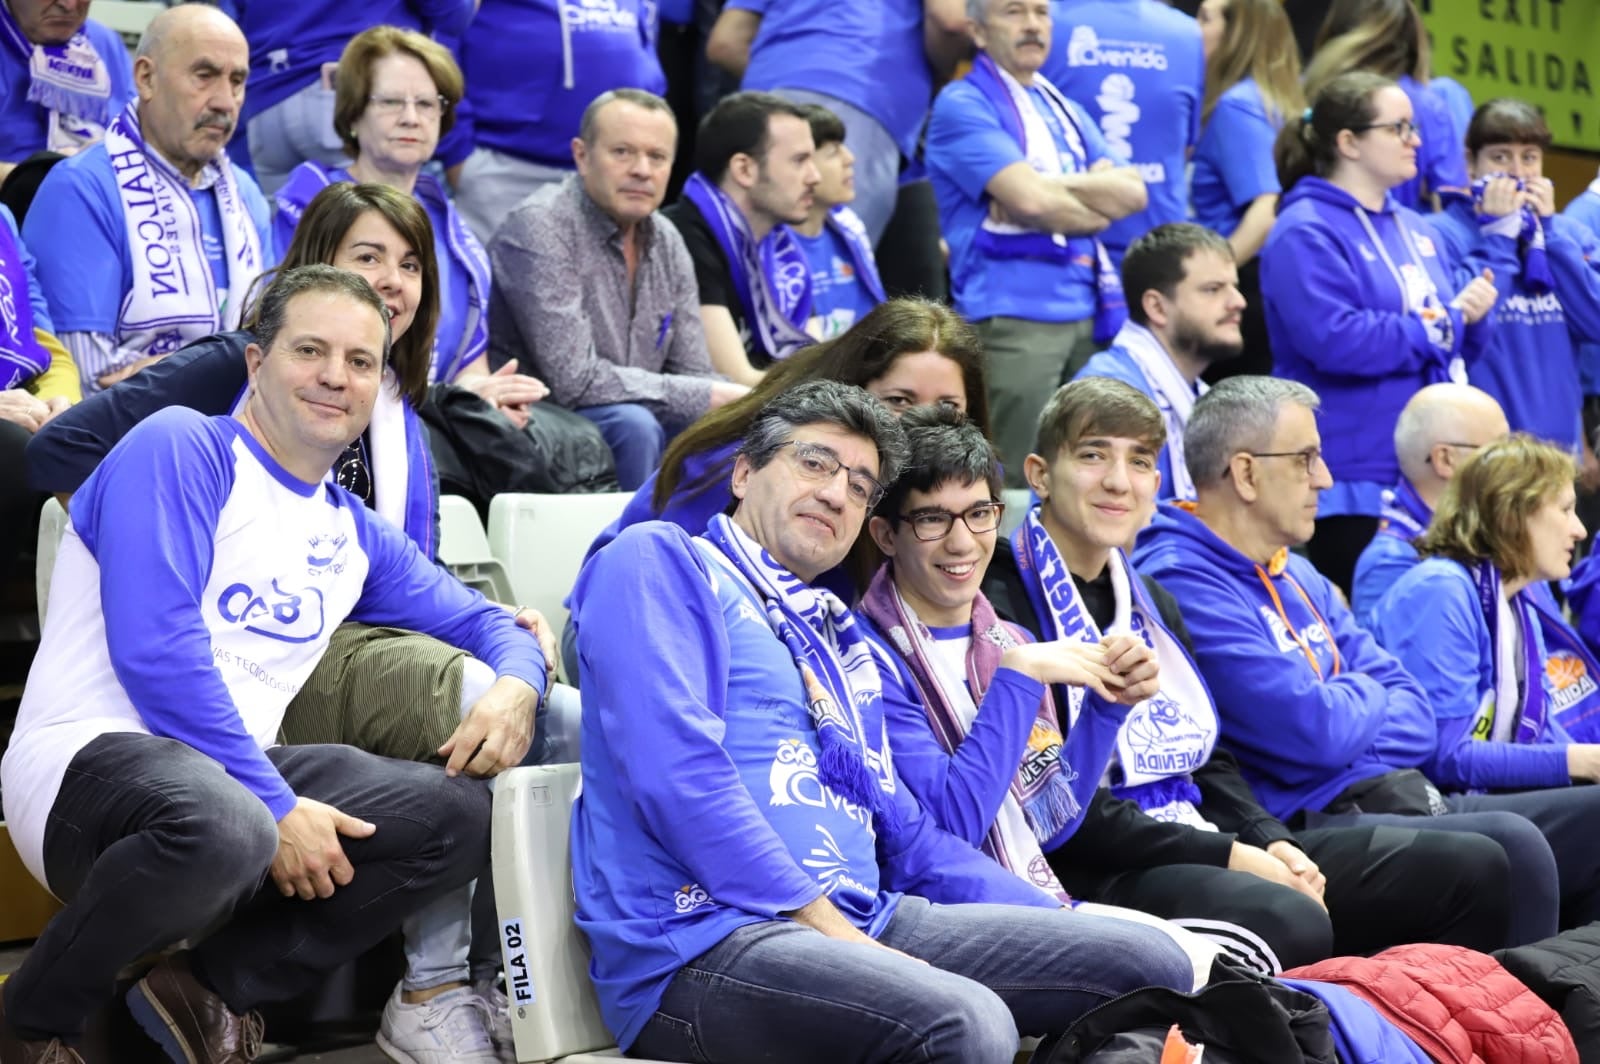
point(151, 238)
point(1183, 314)
point(755, 169)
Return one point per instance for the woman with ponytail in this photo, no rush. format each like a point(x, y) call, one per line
point(1359, 297)
point(1252, 85)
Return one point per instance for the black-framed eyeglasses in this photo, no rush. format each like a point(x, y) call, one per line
point(935, 524)
point(814, 462)
point(1403, 128)
point(1310, 457)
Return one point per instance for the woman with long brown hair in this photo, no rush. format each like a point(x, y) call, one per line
point(1252, 88)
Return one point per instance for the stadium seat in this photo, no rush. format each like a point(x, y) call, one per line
point(127, 17)
point(554, 1014)
point(464, 550)
point(52, 526)
point(542, 540)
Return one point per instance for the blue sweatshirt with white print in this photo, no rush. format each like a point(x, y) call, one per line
point(1341, 286)
point(702, 808)
point(1310, 703)
point(1531, 361)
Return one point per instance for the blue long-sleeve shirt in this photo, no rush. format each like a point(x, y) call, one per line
point(1302, 734)
point(1432, 622)
point(963, 789)
point(702, 808)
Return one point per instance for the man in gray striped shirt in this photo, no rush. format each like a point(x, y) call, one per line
point(596, 293)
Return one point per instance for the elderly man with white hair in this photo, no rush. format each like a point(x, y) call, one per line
point(1438, 428)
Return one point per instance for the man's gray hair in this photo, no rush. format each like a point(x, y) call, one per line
point(827, 402)
point(1239, 414)
point(638, 97)
point(315, 278)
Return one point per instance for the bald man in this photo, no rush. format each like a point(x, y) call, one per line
point(151, 238)
point(1437, 430)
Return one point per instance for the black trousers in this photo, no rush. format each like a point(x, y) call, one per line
point(1387, 885)
point(149, 842)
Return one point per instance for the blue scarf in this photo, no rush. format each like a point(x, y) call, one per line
point(1405, 516)
point(22, 357)
point(772, 280)
point(848, 225)
point(822, 633)
point(1174, 731)
point(1111, 308)
point(312, 177)
point(69, 80)
point(1526, 227)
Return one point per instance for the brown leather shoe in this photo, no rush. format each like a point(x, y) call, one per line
point(14, 1050)
point(190, 1023)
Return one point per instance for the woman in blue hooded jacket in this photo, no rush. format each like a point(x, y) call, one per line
point(1511, 685)
point(1360, 298)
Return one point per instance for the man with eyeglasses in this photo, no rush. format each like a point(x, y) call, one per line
point(595, 291)
point(753, 877)
point(152, 238)
point(1329, 729)
point(1173, 829)
point(1437, 430)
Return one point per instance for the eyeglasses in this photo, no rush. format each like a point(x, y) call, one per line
point(427, 106)
point(814, 462)
point(1404, 129)
point(1310, 458)
point(931, 525)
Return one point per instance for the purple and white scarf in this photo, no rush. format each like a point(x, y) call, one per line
point(772, 279)
point(174, 298)
point(1405, 515)
point(1419, 296)
point(70, 81)
point(1522, 225)
point(1040, 802)
point(822, 633)
point(22, 357)
point(1166, 737)
point(1032, 129)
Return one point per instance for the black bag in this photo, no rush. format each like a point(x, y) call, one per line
point(1404, 790)
point(1241, 1017)
point(480, 454)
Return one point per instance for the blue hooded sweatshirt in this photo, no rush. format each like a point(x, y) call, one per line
point(1432, 621)
point(1585, 210)
point(1342, 288)
point(1531, 361)
point(1310, 704)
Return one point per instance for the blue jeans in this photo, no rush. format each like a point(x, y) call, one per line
point(635, 436)
point(777, 991)
point(149, 843)
point(877, 159)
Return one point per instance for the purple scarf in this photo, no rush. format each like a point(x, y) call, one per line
point(1561, 688)
point(70, 80)
point(1111, 308)
point(22, 357)
point(1039, 787)
point(772, 280)
point(1405, 515)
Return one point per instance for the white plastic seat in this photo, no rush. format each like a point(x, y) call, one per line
point(554, 1014)
point(464, 549)
point(52, 526)
point(542, 540)
point(1017, 501)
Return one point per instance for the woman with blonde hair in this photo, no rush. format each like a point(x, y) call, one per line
point(1511, 684)
point(1252, 87)
point(1387, 37)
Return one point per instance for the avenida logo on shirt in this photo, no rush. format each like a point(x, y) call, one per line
point(601, 15)
point(794, 781)
point(1312, 633)
point(1085, 48)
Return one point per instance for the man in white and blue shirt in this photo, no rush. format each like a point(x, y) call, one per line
point(207, 562)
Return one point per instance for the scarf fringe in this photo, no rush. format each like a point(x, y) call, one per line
point(67, 101)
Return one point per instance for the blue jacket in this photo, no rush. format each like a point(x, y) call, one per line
point(1339, 321)
point(963, 790)
point(1585, 210)
point(1440, 162)
point(1431, 620)
point(1301, 734)
point(702, 808)
point(1531, 361)
point(1383, 561)
point(1116, 363)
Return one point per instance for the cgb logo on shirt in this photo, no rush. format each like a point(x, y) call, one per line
point(289, 616)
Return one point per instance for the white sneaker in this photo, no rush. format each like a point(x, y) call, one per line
point(448, 1029)
point(498, 1008)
